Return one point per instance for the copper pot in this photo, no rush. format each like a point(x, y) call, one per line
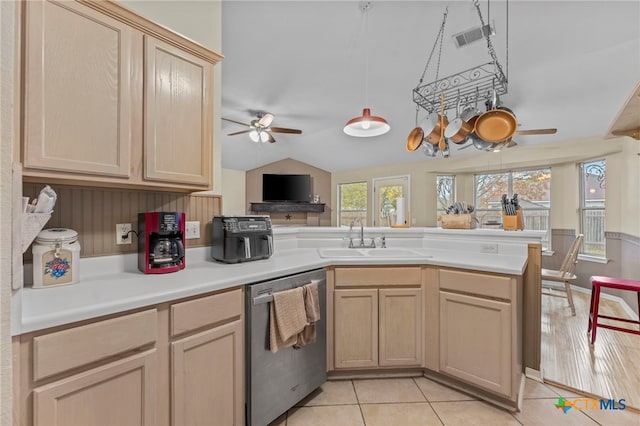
point(435, 124)
point(458, 130)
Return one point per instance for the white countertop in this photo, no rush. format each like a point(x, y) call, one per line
point(112, 284)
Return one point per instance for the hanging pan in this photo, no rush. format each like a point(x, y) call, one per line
point(497, 124)
point(415, 139)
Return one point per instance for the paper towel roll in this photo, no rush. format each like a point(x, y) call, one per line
point(400, 216)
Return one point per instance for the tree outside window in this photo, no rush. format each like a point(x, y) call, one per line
point(352, 198)
point(534, 193)
point(445, 188)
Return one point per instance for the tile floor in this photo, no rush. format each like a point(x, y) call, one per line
point(419, 401)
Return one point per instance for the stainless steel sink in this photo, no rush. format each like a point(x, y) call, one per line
point(395, 252)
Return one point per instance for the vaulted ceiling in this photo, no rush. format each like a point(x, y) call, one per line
point(571, 65)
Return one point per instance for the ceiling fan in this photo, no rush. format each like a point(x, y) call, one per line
point(259, 129)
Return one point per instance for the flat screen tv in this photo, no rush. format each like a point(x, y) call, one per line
point(286, 188)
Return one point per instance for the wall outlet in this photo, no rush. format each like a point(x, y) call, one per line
point(123, 236)
point(192, 229)
point(489, 248)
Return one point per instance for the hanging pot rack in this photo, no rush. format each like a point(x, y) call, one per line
point(470, 86)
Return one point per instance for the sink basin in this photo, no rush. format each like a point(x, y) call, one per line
point(340, 252)
point(396, 252)
point(393, 252)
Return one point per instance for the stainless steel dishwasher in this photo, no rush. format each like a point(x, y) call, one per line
point(275, 382)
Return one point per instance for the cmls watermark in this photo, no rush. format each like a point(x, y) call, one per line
point(590, 404)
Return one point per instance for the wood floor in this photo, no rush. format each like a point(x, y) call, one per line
point(608, 369)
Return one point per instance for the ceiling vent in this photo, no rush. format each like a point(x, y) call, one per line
point(473, 34)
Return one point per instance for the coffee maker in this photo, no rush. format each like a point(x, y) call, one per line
point(161, 242)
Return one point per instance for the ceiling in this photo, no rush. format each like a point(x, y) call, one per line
point(571, 65)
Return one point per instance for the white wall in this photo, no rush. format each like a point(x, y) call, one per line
point(201, 21)
point(234, 192)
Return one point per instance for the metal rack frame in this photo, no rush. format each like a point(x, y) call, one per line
point(474, 85)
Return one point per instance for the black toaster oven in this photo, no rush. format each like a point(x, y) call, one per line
point(241, 238)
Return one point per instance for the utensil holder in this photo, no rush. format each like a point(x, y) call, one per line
point(513, 223)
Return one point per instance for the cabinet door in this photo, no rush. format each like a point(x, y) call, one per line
point(178, 115)
point(207, 377)
point(400, 330)
point(475, 340)
point(119, 393)
point(356, 328)
point(78, 90)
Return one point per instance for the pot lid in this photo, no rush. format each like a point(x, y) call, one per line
point(54, 235)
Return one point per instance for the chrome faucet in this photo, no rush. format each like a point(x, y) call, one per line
point(356, 219)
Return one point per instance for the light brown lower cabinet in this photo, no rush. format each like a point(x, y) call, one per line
point(179, 363)
point(118, 393)
point(356, 331)
point(377, 327)
point(463, 327)
point(206, 373)
point(475, 340)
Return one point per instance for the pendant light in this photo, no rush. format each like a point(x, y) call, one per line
point(366, 125)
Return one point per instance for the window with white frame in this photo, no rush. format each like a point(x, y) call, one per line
point(592, 204)
point(534, 193)
point(352, 202)
point(445, 188)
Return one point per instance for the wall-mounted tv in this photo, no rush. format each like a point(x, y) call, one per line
point(286, 188)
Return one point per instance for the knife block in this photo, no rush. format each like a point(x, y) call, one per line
point(513, 223)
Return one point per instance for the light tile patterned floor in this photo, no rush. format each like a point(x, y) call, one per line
point(419, 401)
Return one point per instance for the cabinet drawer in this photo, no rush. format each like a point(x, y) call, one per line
point(61, 351)
point(482, 284)
point(376, 276)
point(194, 314)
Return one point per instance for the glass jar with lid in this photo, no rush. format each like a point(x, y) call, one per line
point(56, 258)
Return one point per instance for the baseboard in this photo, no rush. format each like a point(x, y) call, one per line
point(534, 374)
point(623, 303)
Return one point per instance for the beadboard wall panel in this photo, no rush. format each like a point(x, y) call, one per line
point(94, 212)
point(622, 251)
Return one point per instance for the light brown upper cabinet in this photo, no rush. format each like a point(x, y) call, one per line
point(178, 115)
point(113, 99)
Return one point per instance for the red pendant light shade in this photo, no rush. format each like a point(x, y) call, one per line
point(366, 125)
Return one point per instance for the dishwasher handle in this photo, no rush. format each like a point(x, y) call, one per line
point(268, 297)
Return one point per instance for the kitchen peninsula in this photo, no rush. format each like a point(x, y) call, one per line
point(442, 281)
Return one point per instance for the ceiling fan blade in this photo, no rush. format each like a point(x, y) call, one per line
point(266, 120)
point(234, 121)
point(285, 130)
point(271, 138)
point(537, 132)
point(240, 132)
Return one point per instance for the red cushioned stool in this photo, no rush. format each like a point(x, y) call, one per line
point(608, 282)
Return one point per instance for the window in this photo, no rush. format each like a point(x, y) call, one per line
point(592, 200)
point(352, 202)
point(534, 193)
point(445, 187)
point(391, 201)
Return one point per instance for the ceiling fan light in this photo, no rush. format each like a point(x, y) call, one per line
point(366, 125)
point(254, 136)
point(264, 136)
